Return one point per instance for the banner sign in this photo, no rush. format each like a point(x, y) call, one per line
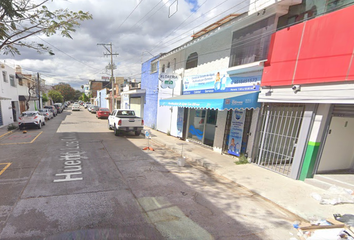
point(221, 81)
point(180, 116)
point(168, 80)
point(236, 132)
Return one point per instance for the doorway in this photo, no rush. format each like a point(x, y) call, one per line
point(338, 151)
point(201, 126)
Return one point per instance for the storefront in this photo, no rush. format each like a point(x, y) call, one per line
point(213, 107)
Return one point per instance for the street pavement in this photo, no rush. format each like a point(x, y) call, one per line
point(74, 179)
point(293, 195)
point(109, 166)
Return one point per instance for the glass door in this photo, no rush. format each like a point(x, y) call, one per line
point(196, 124)
point(209, 135)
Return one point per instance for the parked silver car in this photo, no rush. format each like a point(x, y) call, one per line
point(46, 113)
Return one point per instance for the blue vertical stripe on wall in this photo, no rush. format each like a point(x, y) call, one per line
point(149, 82)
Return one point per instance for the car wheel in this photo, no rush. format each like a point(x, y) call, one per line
point(116, 131)
point(137, 133)
point(39, 125)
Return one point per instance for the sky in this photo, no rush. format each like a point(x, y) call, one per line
point(137, 29)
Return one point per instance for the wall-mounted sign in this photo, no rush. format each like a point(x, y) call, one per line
point(221, 81)
point(168, 80)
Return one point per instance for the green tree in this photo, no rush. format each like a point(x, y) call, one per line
point(44, 98)
point(78, 94)
point(20, 19)
point(84, 97)
point(55, 96)
point(66, 91)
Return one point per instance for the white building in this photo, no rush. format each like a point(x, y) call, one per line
point(9, 108)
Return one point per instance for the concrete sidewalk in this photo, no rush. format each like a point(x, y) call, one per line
point(4, 131)
point(293, 195)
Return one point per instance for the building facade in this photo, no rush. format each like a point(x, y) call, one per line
point(150, 83)
point(9, 107)
point(307, 118)
point(218, 76)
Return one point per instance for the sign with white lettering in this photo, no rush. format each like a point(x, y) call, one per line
point(72, 161)
point(168, 80)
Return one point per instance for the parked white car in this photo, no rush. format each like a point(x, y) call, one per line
point(31, 119)
point(47, 113)
point(75, 107)
point(125, 120)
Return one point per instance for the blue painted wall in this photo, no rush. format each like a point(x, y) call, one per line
point(101, 95)
point(149, 82)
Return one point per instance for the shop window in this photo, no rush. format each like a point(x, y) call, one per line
point(250, 44)
point(192, 60)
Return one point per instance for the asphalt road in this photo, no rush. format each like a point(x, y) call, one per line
point(73, 179)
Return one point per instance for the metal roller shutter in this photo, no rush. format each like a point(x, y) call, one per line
point(343, 110)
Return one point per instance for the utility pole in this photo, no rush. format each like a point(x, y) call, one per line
point(111, 66)
point(38, 89)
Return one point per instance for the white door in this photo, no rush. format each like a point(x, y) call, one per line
point(135, 104)
point(338, 152)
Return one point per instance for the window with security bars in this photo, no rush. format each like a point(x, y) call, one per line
point(251, 43)
point(278, 136)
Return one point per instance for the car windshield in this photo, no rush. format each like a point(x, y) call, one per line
point(29, 114)
point(43, 110)
point(104, 109)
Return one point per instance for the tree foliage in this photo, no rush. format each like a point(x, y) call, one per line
point(55, 96)
point(84, 98)
point(20, 19)
point(66, 91)
point(77, 95)
point(44, 98)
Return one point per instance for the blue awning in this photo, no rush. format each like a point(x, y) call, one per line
point(221, 101)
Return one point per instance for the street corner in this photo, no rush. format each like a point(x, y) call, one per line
point(19, 137)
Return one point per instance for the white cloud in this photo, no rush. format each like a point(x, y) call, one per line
point(146, 29)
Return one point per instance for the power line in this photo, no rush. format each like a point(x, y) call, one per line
point(149, 12)
point(66, 53)
point(129, 14)
point(205, 21)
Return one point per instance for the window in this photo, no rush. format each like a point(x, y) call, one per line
point(4, 76)
point(192, 60)
point(168, 65)
point(250, 44)
point(163, 68)
point(12, 80)
point(20, 82)
point(153, 67)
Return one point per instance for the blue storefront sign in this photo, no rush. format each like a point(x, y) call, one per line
point(236, 132)
point(221, 81)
